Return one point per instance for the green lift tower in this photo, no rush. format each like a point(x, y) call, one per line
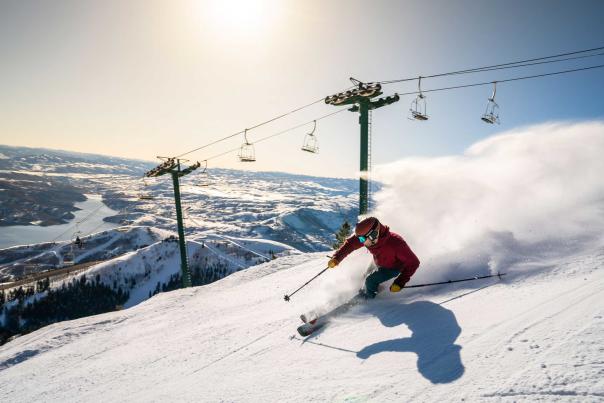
point(361, 98)
point(172, 166)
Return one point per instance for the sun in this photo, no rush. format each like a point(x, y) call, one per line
point(240, 16)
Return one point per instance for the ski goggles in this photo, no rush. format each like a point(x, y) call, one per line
point(371, 235)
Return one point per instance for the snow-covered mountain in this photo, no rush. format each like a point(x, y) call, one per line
point(19, 261)
point(301, 211)
point(66, 162)
point(146, 271)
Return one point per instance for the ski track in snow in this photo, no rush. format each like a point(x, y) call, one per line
point(526, 338)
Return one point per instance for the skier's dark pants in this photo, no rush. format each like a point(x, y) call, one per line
point(376, 278)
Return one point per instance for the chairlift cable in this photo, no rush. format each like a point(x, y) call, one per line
point(71, 227)
point(255, 126)
point(503, 81)
point(120, 212)
point(520, 63)
point(277, 134)
point(230, 240)
point(414, 93)
point(526, 65)
point(466, 71)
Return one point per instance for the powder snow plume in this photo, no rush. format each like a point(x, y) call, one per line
point(528, 195)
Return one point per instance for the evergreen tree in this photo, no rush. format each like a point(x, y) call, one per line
point(342, 235)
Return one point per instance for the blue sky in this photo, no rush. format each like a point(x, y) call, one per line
point(145, 78)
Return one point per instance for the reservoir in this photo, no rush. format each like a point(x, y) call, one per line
point(87, 220)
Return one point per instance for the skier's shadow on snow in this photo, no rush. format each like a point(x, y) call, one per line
point(435, 330)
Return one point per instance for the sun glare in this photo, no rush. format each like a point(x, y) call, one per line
point(240, 16)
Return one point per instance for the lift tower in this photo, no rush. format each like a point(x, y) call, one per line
point(361, 98)
point(172, 166)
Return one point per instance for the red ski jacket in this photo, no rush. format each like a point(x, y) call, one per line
point(391, 252)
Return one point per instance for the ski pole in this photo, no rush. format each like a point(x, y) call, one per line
point(286, 297)
point(456, 281)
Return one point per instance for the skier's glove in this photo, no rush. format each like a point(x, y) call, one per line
point(332, 263)
point(398, 284)
point(395, 287)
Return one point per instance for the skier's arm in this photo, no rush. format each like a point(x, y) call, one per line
point(349, 246)
point(406, 256)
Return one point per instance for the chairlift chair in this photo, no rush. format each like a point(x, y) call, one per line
point(491, 114)
point(145, 194)
point(68, 259)
point(311, 144)
point(418, 106)
point(203, 176)
point(77, 241)
point(247, 152)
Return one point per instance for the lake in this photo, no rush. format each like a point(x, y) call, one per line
point(87, 220)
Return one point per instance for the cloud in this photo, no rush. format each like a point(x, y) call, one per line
point(523, 198)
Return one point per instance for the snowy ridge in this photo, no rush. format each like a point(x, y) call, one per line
point(149, 268)
point(98, 246)
point(140, 271)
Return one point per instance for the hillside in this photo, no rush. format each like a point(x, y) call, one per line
point(301, 211)
point(531, 337)
point(105, 245)
point(115, 269)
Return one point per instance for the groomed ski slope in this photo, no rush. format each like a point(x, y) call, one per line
point(530, 337)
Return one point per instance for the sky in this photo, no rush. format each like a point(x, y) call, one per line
point(139, 79)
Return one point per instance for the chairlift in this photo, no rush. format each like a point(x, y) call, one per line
point(68, 259)
point(491, 114)
point(418, 106)
point(203, 175)
point(29, 269)
point(247, 153)
point(311, 144)
point(145, 194)
point(77, 241)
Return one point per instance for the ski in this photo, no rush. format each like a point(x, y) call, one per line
point(308, 328)
point(311, 326)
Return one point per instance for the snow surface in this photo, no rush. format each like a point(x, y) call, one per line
point(534, 338)
point(527, 202)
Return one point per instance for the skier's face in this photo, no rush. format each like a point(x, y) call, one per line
point(372, 238)
point(369, 242)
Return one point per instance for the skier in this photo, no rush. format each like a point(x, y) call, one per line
point(391, 255)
